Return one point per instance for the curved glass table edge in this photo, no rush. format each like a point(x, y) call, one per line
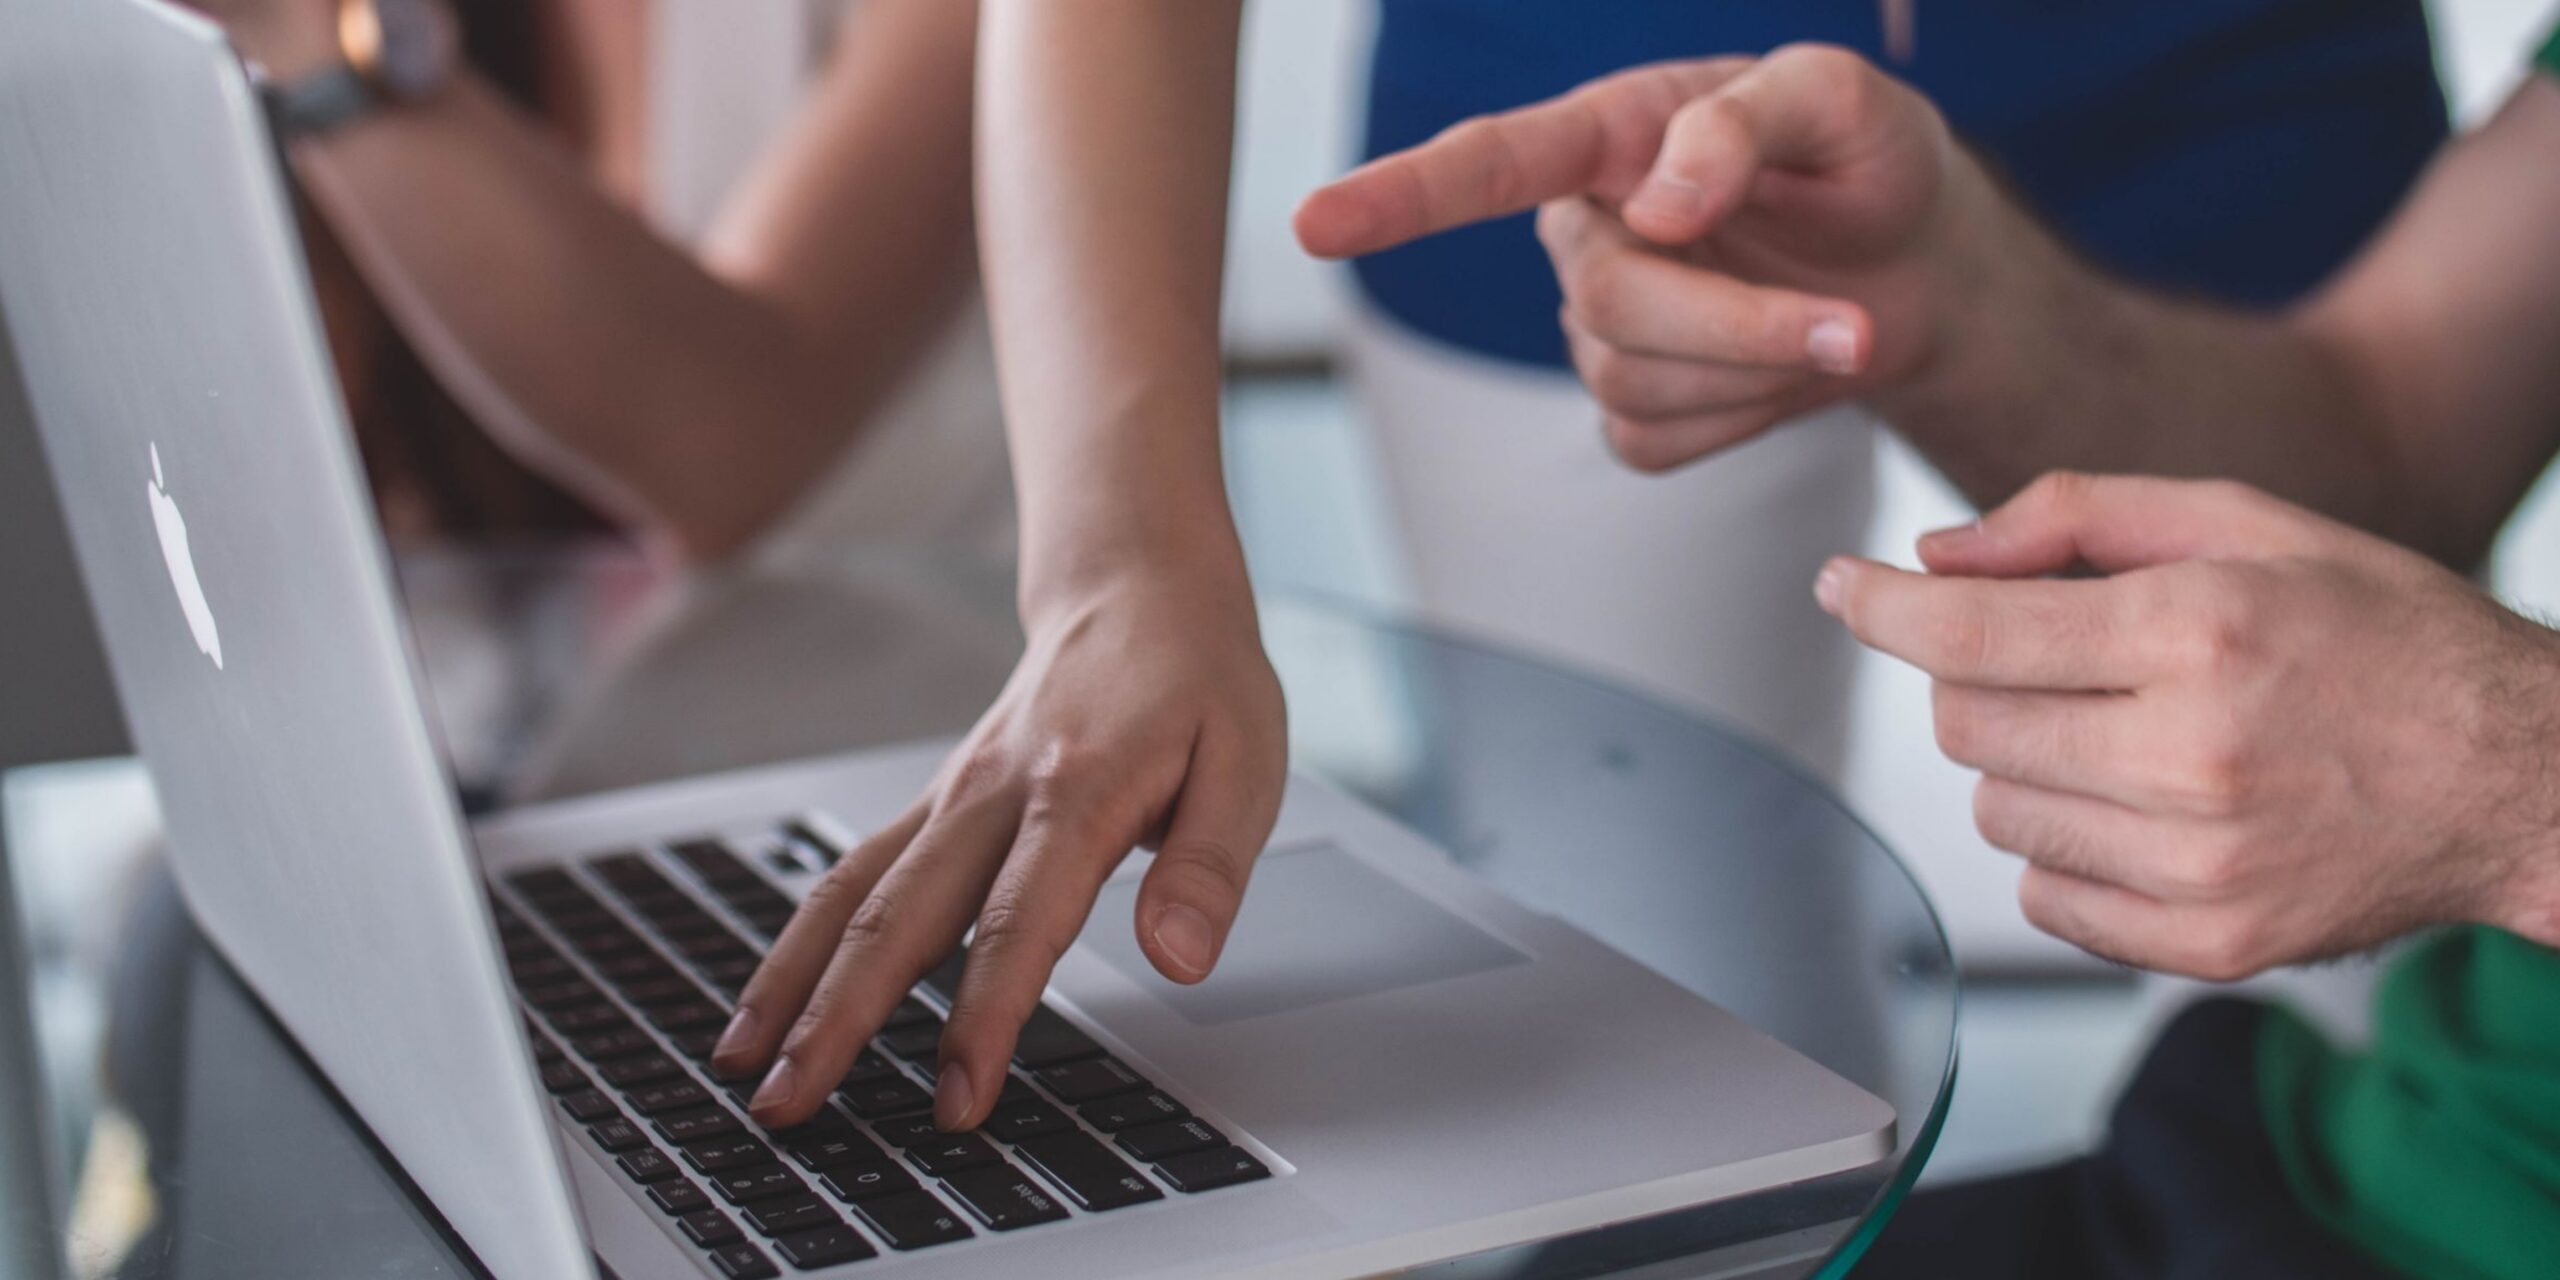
point(1912, 1152)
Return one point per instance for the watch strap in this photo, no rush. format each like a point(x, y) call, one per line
point(321, 102)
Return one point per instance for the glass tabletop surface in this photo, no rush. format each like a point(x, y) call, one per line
point(182, 1135)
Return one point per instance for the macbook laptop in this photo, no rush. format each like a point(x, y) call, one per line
point(1394, 1064)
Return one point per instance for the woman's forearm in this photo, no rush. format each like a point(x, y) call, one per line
point(696, 395)
point(1105, 132)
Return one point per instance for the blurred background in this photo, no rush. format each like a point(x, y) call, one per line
point(2047, 1029)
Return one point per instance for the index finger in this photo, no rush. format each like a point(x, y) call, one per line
point(1598, 140)
point(2038, 634)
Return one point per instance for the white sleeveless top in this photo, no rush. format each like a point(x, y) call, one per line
point(726, 77)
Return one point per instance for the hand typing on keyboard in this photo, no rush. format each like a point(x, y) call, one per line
point(1141, 723)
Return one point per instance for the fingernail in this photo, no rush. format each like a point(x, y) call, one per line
point(1826, 587)
point(776, 1089)
point(1950, 539)
point(1670, 197)
point(1833, 346)
point(1182, 933)
point(951, 1097)
point(734, 1040)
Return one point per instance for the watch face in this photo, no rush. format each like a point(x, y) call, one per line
point(417, 49)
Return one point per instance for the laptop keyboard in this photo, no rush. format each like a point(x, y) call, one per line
point(628, 975)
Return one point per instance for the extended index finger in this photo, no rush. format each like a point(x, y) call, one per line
point(1597, 140)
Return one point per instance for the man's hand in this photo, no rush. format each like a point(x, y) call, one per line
point(1140, 716)
point(1739, 240)
point(2264, 738)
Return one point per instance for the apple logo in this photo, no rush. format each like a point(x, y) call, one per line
point(181, 559)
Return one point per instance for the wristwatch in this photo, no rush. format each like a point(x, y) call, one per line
point(391, 51)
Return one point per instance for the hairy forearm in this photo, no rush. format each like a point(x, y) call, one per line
point(2055, 366)
point(1104, 138)
point(2415, 395)
point(698, 396)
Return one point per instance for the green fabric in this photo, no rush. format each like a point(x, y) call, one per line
point(2550, 56)
point(2438, 1150)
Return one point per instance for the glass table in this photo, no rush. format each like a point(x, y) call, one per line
point(183, 1136)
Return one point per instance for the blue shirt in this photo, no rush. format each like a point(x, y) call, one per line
point(2236, 148)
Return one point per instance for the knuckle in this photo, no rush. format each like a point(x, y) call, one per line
point(2227, 951)
point(1204, 868)
point(1010, 932)
point(1617, 380)
point(2210, 865)
point(1963, 638)
point(1958, 720)
point(2214, 778)
point(2058, 493)
point(872, 923)
point(976, 774)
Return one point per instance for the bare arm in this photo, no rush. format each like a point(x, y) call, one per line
point(697, 395)
point(2418, 395)
point(1104, 155)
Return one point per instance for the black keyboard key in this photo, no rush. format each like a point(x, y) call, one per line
point(865, 1181)
point(546, 883)
point(687, 1127)
point(692, 1015)
point(887, 1097)
point(823, 1151)
point(1210, 1170)
point(827, 849)
point(1093, 1178)
point(535, 968)
point(565, 1076)
point(697, 1044)
point(648, 1068)
point(944, 980)
point(735, 1151)
point(769, 921)
point(919, 1043)
point(743, 1262)
point(1083, 1081)
point(868, 1068)
point(1003, 1199)
point(1023, 1120)
point(658, 991)
point(587, 1019)
point(589, 1106)
point(1153, 1143)
point(709, 1228)
point(953, 1153)
point(676, 1199)
point(1129, 1110)
point(648, 1166)
point(618, 1135)
point(601, 1046)
point(560, 995)
point(658, 1099)
point(730, 974)
point(635, 968)
point(824, 1247)
point(608, 942)
point(912, 1220)
point(756, 1182)
point(909, 1012)
point(1049, 1039)
point(781, 1217)
point(910, 1131)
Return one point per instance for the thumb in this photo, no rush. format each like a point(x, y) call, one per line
point(1188, 901)
point(2117, 523)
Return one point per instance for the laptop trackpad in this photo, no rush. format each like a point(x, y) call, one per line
point(1318, 926)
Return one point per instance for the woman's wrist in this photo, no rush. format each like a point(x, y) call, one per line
point(1207, 571)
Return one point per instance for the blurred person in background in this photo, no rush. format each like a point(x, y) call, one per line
point(523, 345)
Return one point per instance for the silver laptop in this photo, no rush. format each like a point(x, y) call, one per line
point(1394, 1064)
